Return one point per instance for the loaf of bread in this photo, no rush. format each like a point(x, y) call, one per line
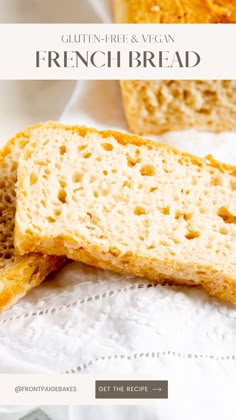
point(127, 204)
point(154, 107)
point(18, 275)
point(175, 11)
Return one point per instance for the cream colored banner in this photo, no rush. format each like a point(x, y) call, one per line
point(111, 51)
point(77, 389)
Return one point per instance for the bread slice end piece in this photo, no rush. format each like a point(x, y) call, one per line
point(18, 275)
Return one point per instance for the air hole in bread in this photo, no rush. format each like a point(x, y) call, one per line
point(13, 166)
point(233, 185)
point(147, 170)
point(28, 154)
point(92, 179)
point(62, 150)
point(178, 215)
point(50, 219)
point(105, 192)
point(150, 108)
point(8, 198)
point(82, 147)
point(223, 231)
point(126, 184)
point(185, 216)
point(57, 212)
point(114, 251)
point(138, 211)
point(187, 192)
point(33, 179)
point(62, 196)
point(165, 210)
point(7, 256)
point(107, 146)
point(226, 215)
point(131, 162)
point(216, 180)
point(62, 183)
point(194, 181)
point(77, 177)
point(229, 94)
point(225, 83)
point(192, 235)
point(209, 94)
point(90, 227)
point(204, 111)
point(186, 94)
point(42, 163)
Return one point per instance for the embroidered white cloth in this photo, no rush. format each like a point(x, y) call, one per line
point(85, 320)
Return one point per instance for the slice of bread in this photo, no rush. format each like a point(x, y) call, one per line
point(18, 275)
point(131, 205)
point(153, 106)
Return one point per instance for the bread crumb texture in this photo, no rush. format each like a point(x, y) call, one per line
point(127, 204)
point(18, 275)
point(154, 107)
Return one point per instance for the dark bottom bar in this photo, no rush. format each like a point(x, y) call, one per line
point(131, 389)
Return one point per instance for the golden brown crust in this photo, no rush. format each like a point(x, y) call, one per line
point(18, 275)
point(23, 136)
point(24, 274)
point(217, 283)
point(174, 11)
point(220, 286)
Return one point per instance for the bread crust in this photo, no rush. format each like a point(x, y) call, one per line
point(25, 273)
point(216, 283)
point(174, 11)
point(18, 275)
